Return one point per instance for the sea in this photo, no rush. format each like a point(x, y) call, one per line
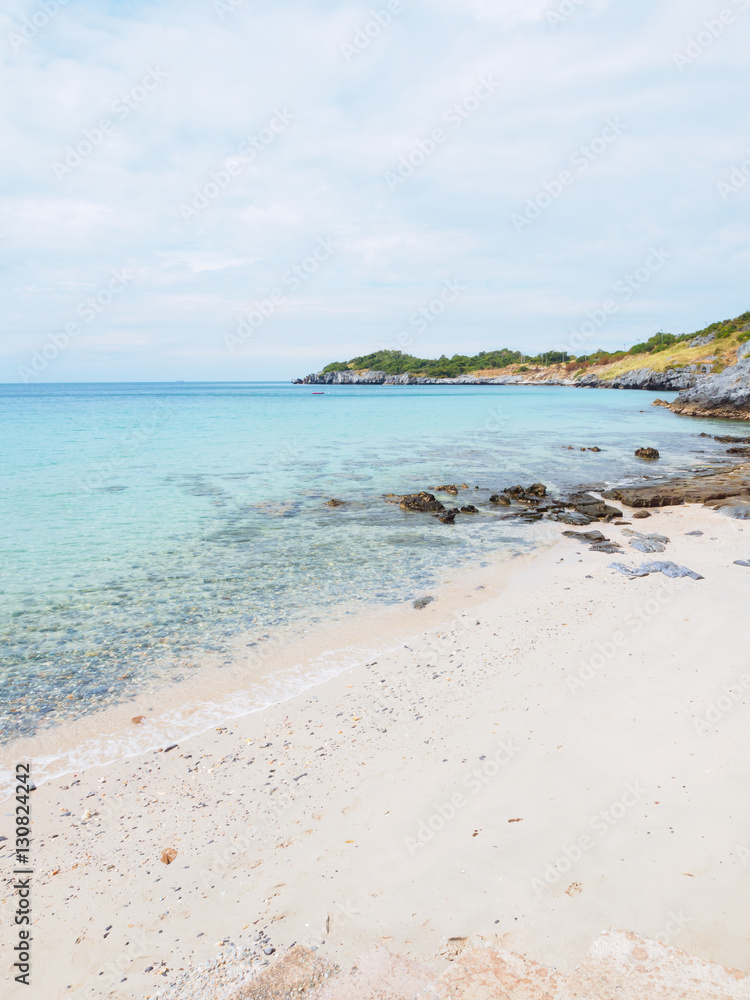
point(145, 527)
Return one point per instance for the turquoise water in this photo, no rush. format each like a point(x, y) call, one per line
point(144, 525)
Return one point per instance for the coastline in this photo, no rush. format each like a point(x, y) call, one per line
point(345, 790)
point(293, 662)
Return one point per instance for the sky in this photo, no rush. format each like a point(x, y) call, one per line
point(247, 189)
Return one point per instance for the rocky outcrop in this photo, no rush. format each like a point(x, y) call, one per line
point(422, 502)
point(673, 380)
point(669, 381)
point(380, 378)
point(730, 484)
point(618, 965)
point(725, 395)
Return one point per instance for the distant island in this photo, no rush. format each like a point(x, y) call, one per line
point(710, 368)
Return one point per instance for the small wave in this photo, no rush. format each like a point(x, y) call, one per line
point(186, 721)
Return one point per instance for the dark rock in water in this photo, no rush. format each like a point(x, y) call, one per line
point(505, 501)
point(453, 490)
point(333, 502)
point(641, 514)
point(537, 490)
point(612, 548)
point(586, 536)
point(448, 517)
point(742, 562)
point(728, 438)
point(738, 451)
point(424, 502)
point(469, 509)
point(650, 454)
point(531, 515)
point(422, 602)
point(595, 448)
point(669, 569)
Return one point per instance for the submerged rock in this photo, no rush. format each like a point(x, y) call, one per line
point(333, 502)
point(422, 602)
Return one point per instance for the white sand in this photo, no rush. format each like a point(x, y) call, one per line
point(473, 780)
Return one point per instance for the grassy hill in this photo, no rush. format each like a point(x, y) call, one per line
point(660, 352)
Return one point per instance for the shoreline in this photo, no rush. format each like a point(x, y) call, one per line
point(337, 809)
point(294, 661)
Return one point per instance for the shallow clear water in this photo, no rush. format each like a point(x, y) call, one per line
point(142, 525)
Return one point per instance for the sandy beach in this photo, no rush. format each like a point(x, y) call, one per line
point(548, 749)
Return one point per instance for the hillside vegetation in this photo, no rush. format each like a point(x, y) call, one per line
point(660, 352)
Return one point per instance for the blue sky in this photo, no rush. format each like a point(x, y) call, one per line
point(248, 190)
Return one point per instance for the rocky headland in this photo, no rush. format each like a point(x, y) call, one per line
point(724, 395)
point(673, 380)
point(710, 370)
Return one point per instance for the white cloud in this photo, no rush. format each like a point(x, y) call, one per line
point(323, 175)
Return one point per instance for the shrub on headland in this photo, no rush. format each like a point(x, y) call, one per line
point(398, 363)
